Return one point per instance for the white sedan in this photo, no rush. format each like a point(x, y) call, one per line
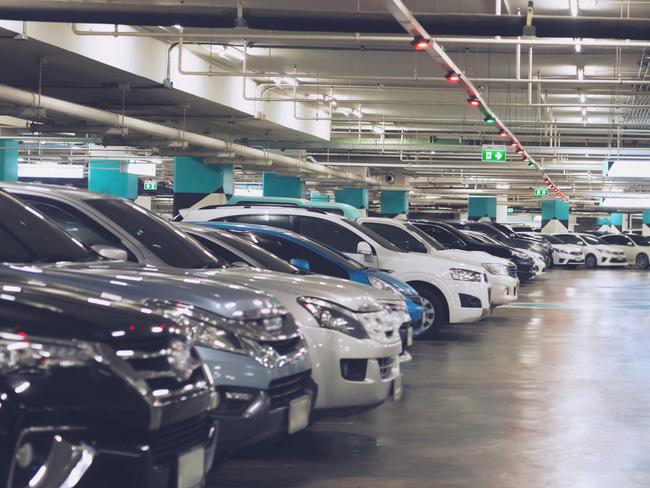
point(566, 254)
point(597, 252)
point(636, 248)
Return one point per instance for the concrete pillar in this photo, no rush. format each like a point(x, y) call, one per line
point(194, 180)
point(394, 202)
point(646, 223)
point(616, 219)
point(502, 209)
point(357, 197)
point(109, 176)
point(282, 186)
point(555, 209)
point(316, 196)
point(8, 160)
point(479, 206)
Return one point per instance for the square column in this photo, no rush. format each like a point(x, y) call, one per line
point(616, 219)
point(394, 202)
point(282, 186)
point(8, 160)
point(357, 197)
point(482, 206)
point(110, 177)
point(194, 180)
point(646, 223)
point(555, 210)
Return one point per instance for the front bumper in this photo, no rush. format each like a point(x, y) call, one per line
point(504, 289)
point(352, 375)
point(609, 261)
point(567, 259)
point(478, 290)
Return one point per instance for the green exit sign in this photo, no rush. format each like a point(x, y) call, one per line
point(151, 185)
point(493, 154)
point(541, 192)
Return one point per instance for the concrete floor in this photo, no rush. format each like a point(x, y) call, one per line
point(551, 392)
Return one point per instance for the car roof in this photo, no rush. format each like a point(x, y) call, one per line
point(59, 190)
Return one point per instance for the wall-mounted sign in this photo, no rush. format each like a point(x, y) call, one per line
point(493, 154)
point(541, 192)
point(150, 184)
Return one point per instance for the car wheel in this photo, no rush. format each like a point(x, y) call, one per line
point(642, 261)
point(591, 261)
point(435, 313)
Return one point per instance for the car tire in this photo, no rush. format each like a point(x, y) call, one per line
point(435, 312)
point(591, 261)
point(642, 261)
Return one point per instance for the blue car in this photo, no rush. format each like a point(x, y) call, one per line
point(312, 256)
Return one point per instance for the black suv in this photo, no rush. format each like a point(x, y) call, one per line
point(99, 395)
point(453, 238)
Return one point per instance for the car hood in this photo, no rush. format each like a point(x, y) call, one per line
point(288, 287)
point(473, 257)
point(432, 263)
point(567, 247)
point(403, 288)
point(141, 283)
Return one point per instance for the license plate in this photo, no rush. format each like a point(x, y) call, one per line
point(191, 468)
point(397, 388)
point(299, 413)
point(409, 337)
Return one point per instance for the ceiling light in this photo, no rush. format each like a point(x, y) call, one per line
point(357, 113)
point(453, 77)
point(420, 43)
point(578, 46)
point(513, 144)
point(378, 129)
point(489, 120)
point(584, 112)
point(583, 98)
point(520, 151)
point(503, 133)
point(473, 101)
point(573, 6)
point(581, 73)
point(503, 186)
point(344, 110)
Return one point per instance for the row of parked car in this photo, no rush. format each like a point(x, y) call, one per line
point(135, 351)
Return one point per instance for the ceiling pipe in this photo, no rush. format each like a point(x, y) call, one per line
point(30, 99)
point(320, 21)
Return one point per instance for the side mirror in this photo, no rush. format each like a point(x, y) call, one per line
point(364, 248)
point(629, 243)
point(109, 252)
point(301, 264)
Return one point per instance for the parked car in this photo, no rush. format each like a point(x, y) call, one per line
point(252, 347)
point(258, 243)
point(331, 207)
point(636, 248)
point(501, 272)
point(597, 252)
point(452, 291)
point(99, 393)
point(360, 323)
point(565, 254)
point(453, 238)
point(539, 263)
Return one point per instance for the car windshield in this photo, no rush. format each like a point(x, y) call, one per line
point(426, 237)
point(255, 252)
point(592, 240)
point(26, 236)
point(373, 235)
point(639, 240)
point(554, 240)
point(505, 230)
point(172, 246)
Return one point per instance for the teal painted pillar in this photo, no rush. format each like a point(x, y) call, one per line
point(110, 177)
point(602, 221)
point(194, 180)
point(646, 217)
point(394, 202)
point(555, 209)
point(616, 219)
point(319, 197)
point(8, 160)
point(479, 206)
point(282, 186)
point(357, 197)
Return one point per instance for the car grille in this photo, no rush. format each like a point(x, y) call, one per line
point(172, 375)
point(385, 367)
point(282, 390)
point(575, 253)
point(284, 347)
point(512, 270)
point(167, 443)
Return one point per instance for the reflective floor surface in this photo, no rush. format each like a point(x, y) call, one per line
point(553, 391)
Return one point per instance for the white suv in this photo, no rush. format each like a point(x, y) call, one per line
point(453, 291)
point(502, 273)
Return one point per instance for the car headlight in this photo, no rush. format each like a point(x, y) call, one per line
point(460, 274)
point(496, 269)
point(332, 316)
point(519, 254)
point(536, 248)
point(18, 352)
point(384, 286)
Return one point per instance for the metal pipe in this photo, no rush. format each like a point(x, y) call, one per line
point(111, 119)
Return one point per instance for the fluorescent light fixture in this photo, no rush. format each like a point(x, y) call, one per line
point(627, 169)
point(141, 169)
point(583, 98)
point(573, 6)
point(284, 80)
point(378, 129)
point(50, 170)
point(344, 111)
point(503, 186)
point(581, 73)
point(618, 202)
point(578, 46)
point(357, 113)
point(584, 112)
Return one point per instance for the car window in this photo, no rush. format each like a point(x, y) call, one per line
point(554, 240)
point(425, 237)
point(27, 236)
point(444, 236)
point(400, 237)
point(372, 235)
point(330, 233)
point(616, 240)
point(219, 251)
point(169, 244)
point(570, 239)
point(592, 240)
point(288, 250)
point(639, 240)
point(281, 221)
point(77, 224)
